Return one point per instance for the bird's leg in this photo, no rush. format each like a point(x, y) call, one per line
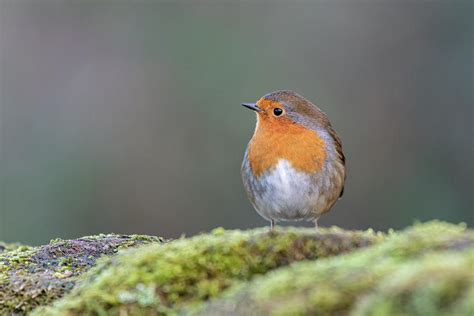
point(316, 226)
point(272, 224)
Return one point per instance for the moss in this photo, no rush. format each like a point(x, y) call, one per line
point(438, 284)
point(32, 276)
point(424, 270)
point(160, 280)
point(4, 247)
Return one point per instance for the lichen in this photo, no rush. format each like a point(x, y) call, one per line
point(424, 270)
point(161, 280)
point(33, 276)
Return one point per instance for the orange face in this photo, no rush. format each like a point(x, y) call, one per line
point(270, 109)
point(278, 137)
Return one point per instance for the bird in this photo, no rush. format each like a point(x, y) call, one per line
point(294, 168)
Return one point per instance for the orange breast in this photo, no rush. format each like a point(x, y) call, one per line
point(280, 138)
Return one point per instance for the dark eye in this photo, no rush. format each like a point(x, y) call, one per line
point(277, 111)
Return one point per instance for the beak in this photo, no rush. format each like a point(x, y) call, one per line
point(252, 106)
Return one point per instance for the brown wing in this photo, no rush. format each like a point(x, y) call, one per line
point(338, 145)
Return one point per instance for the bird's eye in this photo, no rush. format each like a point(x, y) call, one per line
point(277, 111)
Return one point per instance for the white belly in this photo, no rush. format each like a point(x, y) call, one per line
point(287, 194)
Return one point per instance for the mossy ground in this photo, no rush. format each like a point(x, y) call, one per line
point(159, 280)
point(33, 276)
point(426, 269)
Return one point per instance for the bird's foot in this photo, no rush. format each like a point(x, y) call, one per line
point(272, 225)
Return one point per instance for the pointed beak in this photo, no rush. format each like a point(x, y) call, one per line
point(252, 106)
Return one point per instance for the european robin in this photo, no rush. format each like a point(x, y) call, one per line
point(294, 167)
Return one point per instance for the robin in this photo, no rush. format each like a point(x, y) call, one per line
point(294, 167)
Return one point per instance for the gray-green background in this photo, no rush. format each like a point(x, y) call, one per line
point(124, 116)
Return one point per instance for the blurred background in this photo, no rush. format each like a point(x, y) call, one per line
point(124, 116)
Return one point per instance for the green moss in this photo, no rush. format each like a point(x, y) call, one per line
point(32, 276)
point(4, 247)
point(160, 280)
point(438, 284)
point(424, 270)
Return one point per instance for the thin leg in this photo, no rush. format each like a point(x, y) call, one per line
point(316, 226)
point(272, 225)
